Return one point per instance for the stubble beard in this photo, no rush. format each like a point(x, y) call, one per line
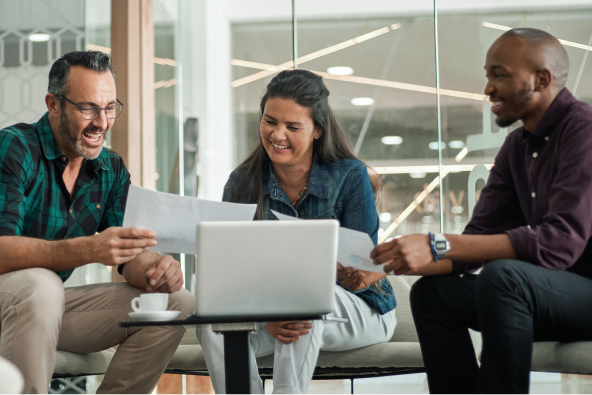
point(521, 100)
point(75, 143)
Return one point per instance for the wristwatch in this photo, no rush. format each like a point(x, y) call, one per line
point(441, 245)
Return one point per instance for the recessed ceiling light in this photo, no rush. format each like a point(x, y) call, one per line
point(456, 144)
point(362, 101)
point(434, 145)
point(39, 37)
point(417, 175)
point(340, 70)
point(391, 140)
point(385, 217)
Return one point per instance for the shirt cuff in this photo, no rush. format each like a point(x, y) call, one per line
point(461, 267)
point(520, 239)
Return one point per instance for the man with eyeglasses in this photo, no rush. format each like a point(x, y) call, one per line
point(59, 186)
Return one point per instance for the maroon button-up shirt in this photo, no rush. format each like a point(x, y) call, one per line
point(539, 191)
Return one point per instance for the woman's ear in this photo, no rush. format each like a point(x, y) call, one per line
point(317, 134)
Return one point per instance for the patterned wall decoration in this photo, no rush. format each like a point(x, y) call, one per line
point(25, 62)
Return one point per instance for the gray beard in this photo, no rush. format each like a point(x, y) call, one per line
point(72, 141)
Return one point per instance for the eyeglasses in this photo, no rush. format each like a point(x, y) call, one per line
point(89, 112)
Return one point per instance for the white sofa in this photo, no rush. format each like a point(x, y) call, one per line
point(399, 356)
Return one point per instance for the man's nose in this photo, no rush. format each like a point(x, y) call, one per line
point(489, 89)
point(101, 121)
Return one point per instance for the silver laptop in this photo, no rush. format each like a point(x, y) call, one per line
point(265, 268)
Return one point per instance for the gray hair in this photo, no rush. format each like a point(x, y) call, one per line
point(60, 70)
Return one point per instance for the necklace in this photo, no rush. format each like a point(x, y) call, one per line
point(299, 196)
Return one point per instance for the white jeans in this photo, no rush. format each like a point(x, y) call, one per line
point(294, 363)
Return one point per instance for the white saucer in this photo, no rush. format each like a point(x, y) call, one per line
point(154, 315)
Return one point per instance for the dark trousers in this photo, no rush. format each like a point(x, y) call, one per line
point(512, 304)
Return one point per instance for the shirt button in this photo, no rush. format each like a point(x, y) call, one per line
point(63, 158)
point(70, 211)
point(547, 138)
point(535, 155)
point(533, 194)
point(98, 206)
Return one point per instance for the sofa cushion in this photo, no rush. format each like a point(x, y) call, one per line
point(378, 356)
point(405, 330)
point(575, 358)
point(73, 364)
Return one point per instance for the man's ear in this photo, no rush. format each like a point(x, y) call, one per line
point(543, 80)
point(52, 103)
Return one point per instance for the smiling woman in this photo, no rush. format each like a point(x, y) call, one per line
point(303, 166)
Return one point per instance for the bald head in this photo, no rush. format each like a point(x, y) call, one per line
point(525, 70)
point(541, 51)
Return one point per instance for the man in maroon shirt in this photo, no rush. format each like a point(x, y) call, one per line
point(531, 231)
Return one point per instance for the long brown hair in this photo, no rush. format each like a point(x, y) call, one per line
point(308, 90)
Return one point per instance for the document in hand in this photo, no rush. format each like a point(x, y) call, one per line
point(174, 218)
point(353, 250)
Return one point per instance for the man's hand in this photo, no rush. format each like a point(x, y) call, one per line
point(287, 332)
point(116, 245)
point(406, 254)
point(165, 277)
point(351, 278)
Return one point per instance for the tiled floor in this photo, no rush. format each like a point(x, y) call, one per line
point(541, 383)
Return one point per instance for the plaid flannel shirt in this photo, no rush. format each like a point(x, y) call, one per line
point(34, 201)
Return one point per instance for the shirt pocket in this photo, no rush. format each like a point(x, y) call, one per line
point(89, 218)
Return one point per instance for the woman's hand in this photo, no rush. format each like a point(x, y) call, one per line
point(351, 278)
point(288, 332)
point(355, 279)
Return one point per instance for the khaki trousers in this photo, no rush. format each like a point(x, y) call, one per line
point(39, 316)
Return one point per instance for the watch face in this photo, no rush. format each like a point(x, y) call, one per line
point(440, 245)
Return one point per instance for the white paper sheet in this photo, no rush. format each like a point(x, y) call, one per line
point(174, 218)
point(353, 249)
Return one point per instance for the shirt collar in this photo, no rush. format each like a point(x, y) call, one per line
point(554, 114)
point(317, 184)
point(50, 146)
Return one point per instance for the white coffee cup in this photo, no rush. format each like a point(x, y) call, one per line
point(150, 302)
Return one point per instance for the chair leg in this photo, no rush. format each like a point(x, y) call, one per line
point(263, 385)
point(352, 385)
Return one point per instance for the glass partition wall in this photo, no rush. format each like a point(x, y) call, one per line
point(471, 139)
point(381, 70)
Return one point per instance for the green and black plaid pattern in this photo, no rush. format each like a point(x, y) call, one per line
point(34, 201)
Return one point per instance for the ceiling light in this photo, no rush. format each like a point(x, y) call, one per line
point(391, 140)
point(434, 145)
point(385, 217)
point(417, 175)
point(340, 70)
point(363, 80)
point(564, 42)
point(39, 37)
point(362, 101)
point(461, 154)
point(456, 144)
point(309, 57)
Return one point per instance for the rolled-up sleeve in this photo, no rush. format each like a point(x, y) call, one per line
point(15, 165)
point(562, 237)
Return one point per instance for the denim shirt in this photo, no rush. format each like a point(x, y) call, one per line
point(341, 191)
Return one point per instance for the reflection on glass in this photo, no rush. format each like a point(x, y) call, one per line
point(469, 127)
point(256, 47)
point(386, 103)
